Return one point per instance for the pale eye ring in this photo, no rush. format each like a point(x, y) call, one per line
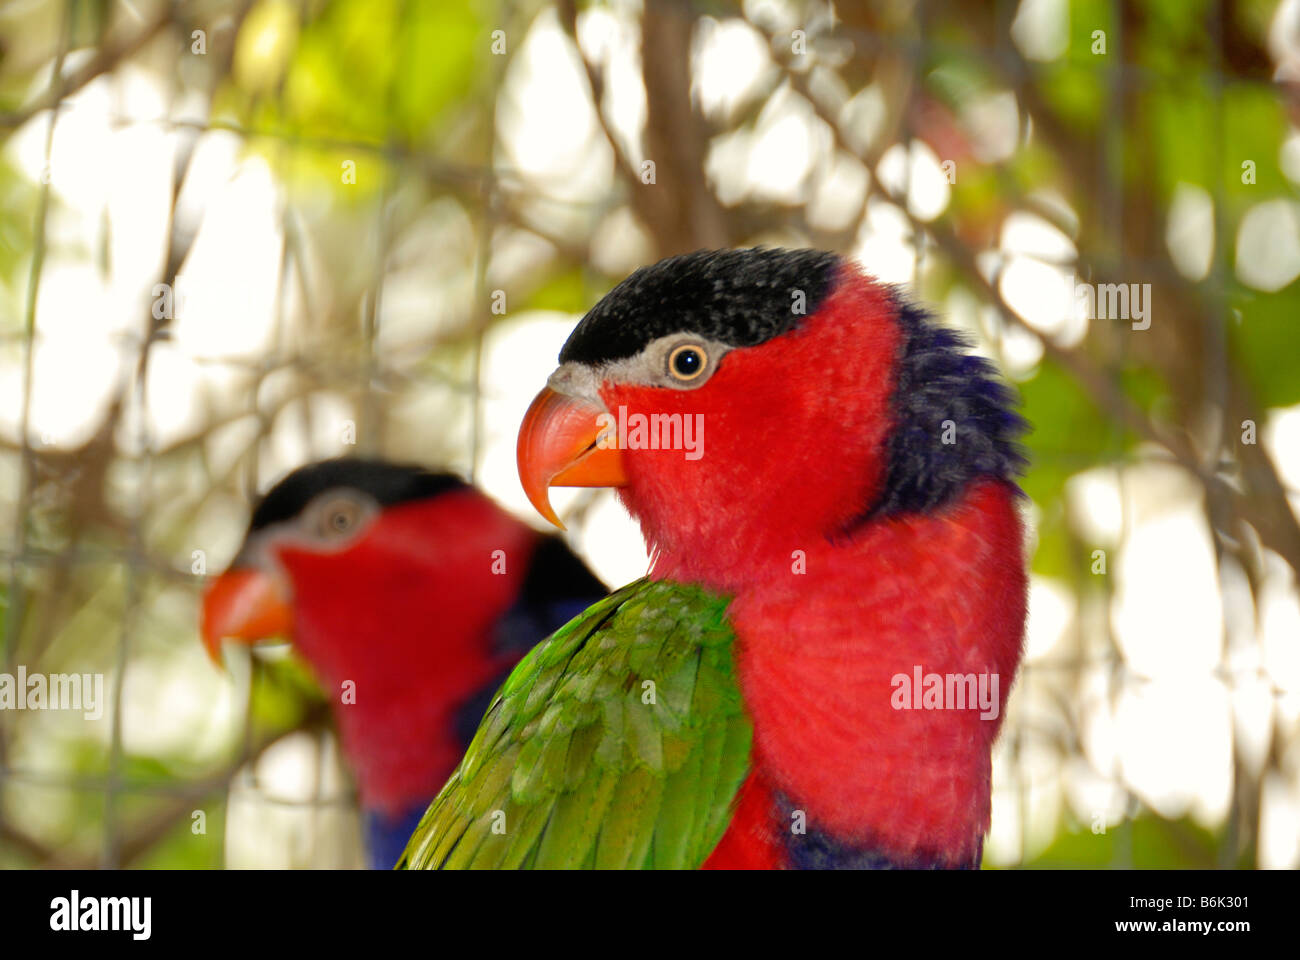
point(340, 517)
point(687, 362)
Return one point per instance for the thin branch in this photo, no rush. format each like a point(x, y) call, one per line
point(106, 59)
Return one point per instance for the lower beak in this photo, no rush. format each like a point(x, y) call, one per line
point(566, 442)
point(245, 604)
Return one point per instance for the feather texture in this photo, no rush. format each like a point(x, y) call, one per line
point(619, 742)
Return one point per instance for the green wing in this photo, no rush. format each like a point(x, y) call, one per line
point(621, 741)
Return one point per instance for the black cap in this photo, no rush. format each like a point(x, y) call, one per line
point(738, 297)
point(388, 483)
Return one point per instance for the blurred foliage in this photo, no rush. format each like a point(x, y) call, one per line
point(1144, 843)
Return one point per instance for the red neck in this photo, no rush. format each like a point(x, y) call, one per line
point(817, 653)
point(407, 617)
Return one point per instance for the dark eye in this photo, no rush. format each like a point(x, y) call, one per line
point(687, 362)
point(339, 517)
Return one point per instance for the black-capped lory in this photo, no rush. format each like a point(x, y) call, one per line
point(411, 595)
point(815, 669)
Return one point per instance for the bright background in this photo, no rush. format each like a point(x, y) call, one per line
point(336, 189)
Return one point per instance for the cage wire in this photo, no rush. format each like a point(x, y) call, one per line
point(139, 808)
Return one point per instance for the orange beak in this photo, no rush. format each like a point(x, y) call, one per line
point(246, 604)
point(566, 442)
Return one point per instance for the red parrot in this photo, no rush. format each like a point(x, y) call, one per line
point(411, 595)
point(815, 670)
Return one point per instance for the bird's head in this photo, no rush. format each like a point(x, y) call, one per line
point(744, 399)
point(343, 549)
point(388, 580)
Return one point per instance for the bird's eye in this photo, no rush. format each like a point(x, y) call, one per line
point(339, 518)
point(687, 362)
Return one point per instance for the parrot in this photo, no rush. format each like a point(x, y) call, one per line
point(814, 670)
point(411, 592)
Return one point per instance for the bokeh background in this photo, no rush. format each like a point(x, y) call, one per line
point(235, 237)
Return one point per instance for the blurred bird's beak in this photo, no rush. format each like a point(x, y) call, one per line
point(244, 604)
point(566, 442)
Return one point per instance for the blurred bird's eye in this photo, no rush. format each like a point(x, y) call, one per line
point(339, 517)
point(687, 362)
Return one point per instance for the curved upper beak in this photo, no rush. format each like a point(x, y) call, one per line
point(245, 604)
point(566, 442)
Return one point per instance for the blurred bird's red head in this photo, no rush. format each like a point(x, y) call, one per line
point(332, 510)
point(383, 577)
point(355, 538)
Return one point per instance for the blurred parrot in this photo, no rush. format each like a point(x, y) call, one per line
point(815, 669)
point(411, 595)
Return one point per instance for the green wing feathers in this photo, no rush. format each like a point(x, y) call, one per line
point(619, 742)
